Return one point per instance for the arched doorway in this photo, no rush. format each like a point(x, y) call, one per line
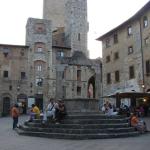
point(91, 87)
point(6, 106)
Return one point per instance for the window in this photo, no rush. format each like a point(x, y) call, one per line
point(79, 37)
point(107, 43)
point(63, 91)
point(145, 22)
point(130, 50)
point(39, 81)
point(148, 67)
point(79, 75)
point(131, 72)
point(31, 85)
point(60, 54)
point(107, 59)
point(78, 90)
point(129, 30)
point(39, 49)
point(108, 78)
point(6, 51)
point(146, 41)
point(5, 54)
point(64, 73)
point(22, 53)
point(115, 38)
point(116, 55)
point(10, 87)
point(117, 76)
point(40, 28)
point(5, 74)
point(23, 75)
point(39, 68)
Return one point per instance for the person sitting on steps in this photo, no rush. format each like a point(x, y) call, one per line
point(139, 125)
point(60, 111)
point(50, 110)
point(34, 113)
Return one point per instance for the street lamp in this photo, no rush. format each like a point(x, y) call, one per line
point(143, 86)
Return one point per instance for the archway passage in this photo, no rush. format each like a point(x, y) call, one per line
point(91, 87)
point(6, 106)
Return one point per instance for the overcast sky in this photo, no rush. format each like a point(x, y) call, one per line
point(103, 15)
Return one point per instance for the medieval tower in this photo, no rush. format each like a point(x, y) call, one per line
point(76, 25)
point(39, 39)
point(54, 10)
point(72, 15)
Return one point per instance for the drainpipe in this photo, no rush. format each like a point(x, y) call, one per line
point(142, 57)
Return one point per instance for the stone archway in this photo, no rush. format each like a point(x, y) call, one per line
point(91, 87)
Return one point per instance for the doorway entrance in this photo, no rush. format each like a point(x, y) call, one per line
point(39, 101)
point(6, 106)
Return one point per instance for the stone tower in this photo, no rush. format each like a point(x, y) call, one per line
point(54, 10)
point(76, 25)
point(71, 14)
point(42, 75)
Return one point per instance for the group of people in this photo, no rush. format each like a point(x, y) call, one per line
point(55, 110)
point(134, 114)
point(109, 109)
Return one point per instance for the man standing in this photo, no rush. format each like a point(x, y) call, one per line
point(15, 115)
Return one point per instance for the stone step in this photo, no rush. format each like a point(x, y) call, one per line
point(88, 121)
point(81, 126)
point(77, 131)
point(78, 126)
point(94, 121)
point(77, 136)
point(93, 116)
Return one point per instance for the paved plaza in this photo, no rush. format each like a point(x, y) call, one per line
point(10, 140)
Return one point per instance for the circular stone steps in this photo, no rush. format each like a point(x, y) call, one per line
point(91, 126)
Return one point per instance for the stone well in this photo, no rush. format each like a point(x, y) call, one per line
point(77, 105)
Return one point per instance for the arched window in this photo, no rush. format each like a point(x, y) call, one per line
point(39, 47)
point(145, 22)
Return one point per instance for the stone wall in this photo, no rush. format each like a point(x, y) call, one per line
point(126, 59)
point(54, 10)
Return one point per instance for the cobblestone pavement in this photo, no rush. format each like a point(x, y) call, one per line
point(10, 140)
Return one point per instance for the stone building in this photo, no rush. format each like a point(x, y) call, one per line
point(126, 56)
point(13, 77)
point(54, 61)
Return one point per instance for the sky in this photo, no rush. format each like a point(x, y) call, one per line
point(103, 16)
